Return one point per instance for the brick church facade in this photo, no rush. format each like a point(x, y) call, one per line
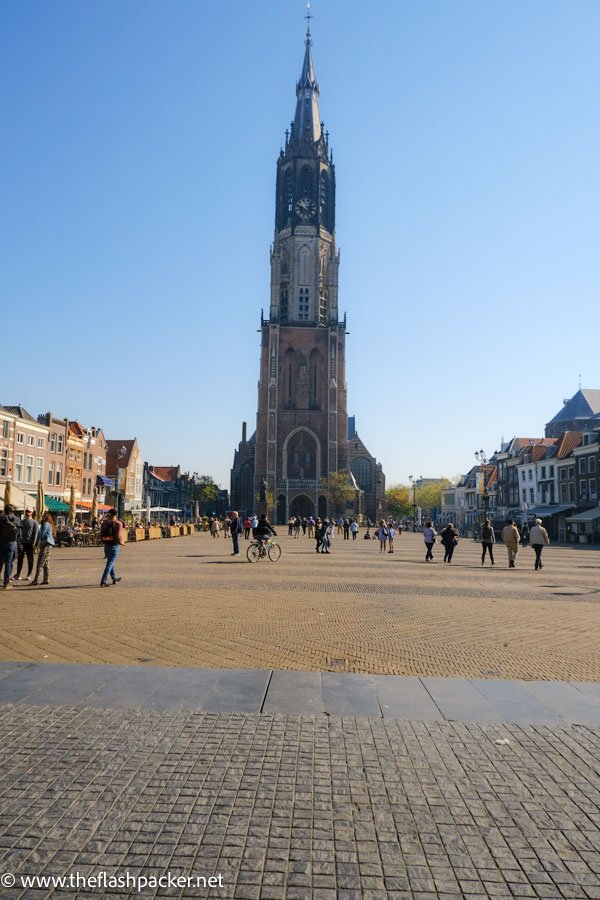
point(302, 436)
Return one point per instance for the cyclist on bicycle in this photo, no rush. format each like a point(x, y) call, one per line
point(264, 529)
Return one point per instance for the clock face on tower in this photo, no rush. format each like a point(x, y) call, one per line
point(305, 208)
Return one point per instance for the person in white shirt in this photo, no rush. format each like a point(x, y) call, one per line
point(429, 536)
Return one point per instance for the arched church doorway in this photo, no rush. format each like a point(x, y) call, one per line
point(281, 516)
point(302, 506)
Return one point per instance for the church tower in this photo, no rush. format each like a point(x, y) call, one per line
point(301, 431)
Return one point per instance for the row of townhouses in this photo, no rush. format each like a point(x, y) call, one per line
point(555, 478)
point(66, 456)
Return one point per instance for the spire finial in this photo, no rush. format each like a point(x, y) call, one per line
point(580, 381)
point(308, 17)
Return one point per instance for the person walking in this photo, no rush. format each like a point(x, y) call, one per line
point(488, 539)
point(354, 528)
point(45, 540)
point(328, 534)
point(391, 535)
point(346, 529)
point(214, 528)
point(10, 529)
point(429, 536)
point(511, 537)
point(539, 539)
point(310, 527)
point(382, 535)
point(30, 530)
point(524, 534)
point(247, 525)
point(449, 538)
point(111, 535)
point(319, 534)
point(235, 529)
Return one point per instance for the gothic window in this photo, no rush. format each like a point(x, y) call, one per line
point(306, 181)
point(304, 266)
point(290, 383)
point(363, 472)
point(323, 191)
point(302, 456)
point(284, 262)
point(283, 302)
point(303, 301)
point(288, 190)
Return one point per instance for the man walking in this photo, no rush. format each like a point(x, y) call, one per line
point(9, 534)
point(111, 535)
point(539, 539)
point(511, 537)
point(235, 528)
point(29, 534)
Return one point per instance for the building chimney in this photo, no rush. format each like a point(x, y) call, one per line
point(243, 432)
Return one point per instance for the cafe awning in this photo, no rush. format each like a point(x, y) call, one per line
point(53, 505)
point(590, 515)
point(20, 500)
point(544, 512)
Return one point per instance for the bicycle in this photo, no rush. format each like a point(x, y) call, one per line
point(259, 549)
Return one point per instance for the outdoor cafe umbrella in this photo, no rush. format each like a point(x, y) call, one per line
point(40, 502)
point(94, 514)
point(8, 493)
point(72, 508)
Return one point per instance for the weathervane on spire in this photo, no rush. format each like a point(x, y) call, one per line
point(308, 17)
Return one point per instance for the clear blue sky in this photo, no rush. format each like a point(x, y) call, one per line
point(139, 142)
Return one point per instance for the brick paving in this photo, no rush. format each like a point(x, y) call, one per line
point(186, 602)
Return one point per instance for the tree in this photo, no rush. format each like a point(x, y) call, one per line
point(429, 495)
point(340, 490)
point(399, 501)
point(206, 492)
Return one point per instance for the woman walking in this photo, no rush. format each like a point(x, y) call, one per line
point(429, 536)
point(391, 536)
point(538, 538)
point(45, 543)
point(449, 538)
point(382, 535)
point(488, 539)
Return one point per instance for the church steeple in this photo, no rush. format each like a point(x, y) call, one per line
point(307, 120)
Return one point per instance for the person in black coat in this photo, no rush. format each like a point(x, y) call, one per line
point(449, 538)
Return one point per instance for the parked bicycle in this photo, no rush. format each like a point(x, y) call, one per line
point(259, 549)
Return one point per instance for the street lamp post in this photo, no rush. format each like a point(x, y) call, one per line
point(120, 454)
point(415, 482)
point(482, 459)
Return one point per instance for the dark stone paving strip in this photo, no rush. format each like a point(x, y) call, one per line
point(300, 693)
point(295, 693)
point(515, 703)
point(299, 807)
point(405, 697)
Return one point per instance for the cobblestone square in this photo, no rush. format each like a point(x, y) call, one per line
point(187, 602)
